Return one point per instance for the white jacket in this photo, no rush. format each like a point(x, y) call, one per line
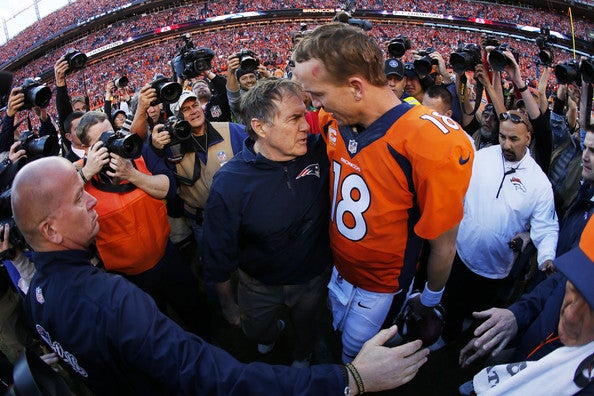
point(525, 203)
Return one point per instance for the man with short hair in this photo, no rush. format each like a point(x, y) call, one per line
point(394, 69)
point(277, 242)
point(239, 81)
point(114, 337)
point(192, 163)
point(134, 239)
point(508, 195)
point(77, 150)
point(438, 98)
point(386, 197)
point(212, 94)
point(416, 85)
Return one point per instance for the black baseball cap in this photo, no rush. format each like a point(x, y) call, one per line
point(394, 66)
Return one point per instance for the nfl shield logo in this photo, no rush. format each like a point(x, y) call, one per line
point(352, 146)
point(39, 295)
point(222, 157)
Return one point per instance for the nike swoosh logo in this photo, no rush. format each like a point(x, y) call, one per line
point(463, 161)
point(361, 305)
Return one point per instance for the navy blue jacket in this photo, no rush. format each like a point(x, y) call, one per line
point(113, 335)
point(537, 316)
point(269, 218)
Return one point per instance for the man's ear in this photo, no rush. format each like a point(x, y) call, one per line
point(48, 231)
point(258, 127)
point(356, 85)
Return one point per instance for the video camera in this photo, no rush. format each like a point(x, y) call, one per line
point(247, 60)
point(425, 63)
point(544, 41)
point(190, 61)
point(76, 59)
point(497, 58)
point(167, 91)
point(36, 93)
point(344, 16)
point(398, 46)
point(465, 58)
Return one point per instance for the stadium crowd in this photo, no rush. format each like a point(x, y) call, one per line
point(80, 12)
point(473, 181)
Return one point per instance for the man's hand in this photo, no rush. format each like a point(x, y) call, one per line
point(16, 100)
point(160, 137)
point(499, 328)
point(383, 368)
point(232, 314)
point(548, 267)
point(146, 96)
point(16, 152)
point(263, 71)
point(60, 69)
point(97, 158)
point(232, 64)
point(109, 87)
point(122, 168)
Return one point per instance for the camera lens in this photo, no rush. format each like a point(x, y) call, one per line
point(121, 82)
point(39, 96)
point(587, 70)
point(498, 60)
point(423, 66)
point(182, 130)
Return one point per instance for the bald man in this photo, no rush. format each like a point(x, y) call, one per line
point(112, 334)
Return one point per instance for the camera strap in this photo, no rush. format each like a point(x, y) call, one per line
point(115, 188)
point(462, 95)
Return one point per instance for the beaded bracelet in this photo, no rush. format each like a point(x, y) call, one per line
point(357, 377)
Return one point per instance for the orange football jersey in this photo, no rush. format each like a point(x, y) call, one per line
point(399, 182)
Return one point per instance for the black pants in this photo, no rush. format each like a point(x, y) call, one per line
point(465, 293)
point(171, 282)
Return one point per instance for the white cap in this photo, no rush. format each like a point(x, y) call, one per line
point(180, 102)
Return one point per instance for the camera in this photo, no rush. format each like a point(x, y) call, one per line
point(465, 58)
point(489, 40)
point(15, 237)
point(247, 60)
point(36, 93)
point(76, 59)
point(344, 16)
point(587, 70)
point(179, 129)
point(190, 61)
point(39, 147)
point(568, 72)
point(398, 46)
point(126, 146)
point(498, 60)
point(167, 90)
point(425, 63)
point(544, 41)
point(121, 82)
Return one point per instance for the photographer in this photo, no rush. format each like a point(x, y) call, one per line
point(18, 102)
point(116, 114)
point(212, 94)
point(482, 126)
point(64, 105)
point(134, 237)
point(197, 156)
point(240, 81)
point(541, 137)
point(146, 114)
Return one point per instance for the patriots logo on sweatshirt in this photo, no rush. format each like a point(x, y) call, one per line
point(310, 170)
